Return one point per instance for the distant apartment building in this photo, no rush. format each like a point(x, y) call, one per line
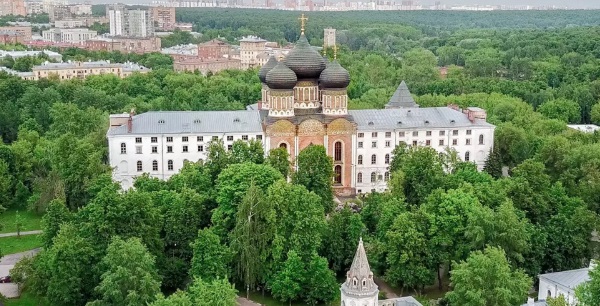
point(253, 52)
point(81, 70)
point(131, 23)
point(74, 36)
point(8, 37)
point(80, 21)
point(12, 7)
point(58, 12)
point(163, 18)
point(24, 33)
point(215, 48)
point(34, 7)
point(124, 44)
point(205, 66)
point(329, 38)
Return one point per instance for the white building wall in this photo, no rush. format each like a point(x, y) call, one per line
point(359, 301)
point(550, 289)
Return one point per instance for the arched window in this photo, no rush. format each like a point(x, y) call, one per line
point(123, 148)
point(359, 177)
point(373, 177)
point(360, 159)
point(467, 156)
point(549, 294)
point(154, 165)
point(387, 159)
point(373, 159)
point(386, 176)
point(364, 282)
point(354, 282)
point(337, 151)
point(170, 165)
point(481, 139)
point(139, 166)
point(338, 174)
point(283, 145)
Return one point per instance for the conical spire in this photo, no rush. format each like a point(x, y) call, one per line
point(401, 98)
point(359, 279)
point(360, 265)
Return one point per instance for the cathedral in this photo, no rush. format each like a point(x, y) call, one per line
point(304, 101)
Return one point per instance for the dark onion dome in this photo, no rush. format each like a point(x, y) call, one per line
point(334, 76)
point(281, 77)
point(270, 64)
point(305, 61)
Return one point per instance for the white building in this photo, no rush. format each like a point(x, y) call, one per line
point(253, 52)
point(131, 23)
point(74, 36)
point(586, 128)
point(18, 54)
point(553, 285)
point(329, 37)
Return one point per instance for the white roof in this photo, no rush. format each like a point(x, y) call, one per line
point(587, 128)
point(569, 279)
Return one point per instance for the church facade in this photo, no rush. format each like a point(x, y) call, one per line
point(304, 102)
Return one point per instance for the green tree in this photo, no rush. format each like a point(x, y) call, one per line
point(179, 298)
point(588, 293)
point(211, 257)
point(287, 282)
point(320, 285)
point(247, 151)
point(486, 278)
point(558, 301)
point(130, 276)
point(595, 113)
point(218, 292)
point(280, 160)
point(565, 110)
point(315, 172)
point(56, 215)
point(343, 229)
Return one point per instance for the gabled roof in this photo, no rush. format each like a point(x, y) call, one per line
point(402, 98)
point(569, 279)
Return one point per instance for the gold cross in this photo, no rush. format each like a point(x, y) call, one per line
point(302, 22)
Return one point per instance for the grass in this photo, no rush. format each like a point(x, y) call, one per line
point(26, 299)
point(30, 221)
point(9, 245)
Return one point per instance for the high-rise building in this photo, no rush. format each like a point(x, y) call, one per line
point(131, 23)
point(329, 37)
point(12, 7)
point(163, 18)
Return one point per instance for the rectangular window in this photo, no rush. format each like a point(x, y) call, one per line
point(215, 138)
point(154, 166)
point(138, 140)
point(229, 147)
point(374, 134)
point(138, 150)
point(454, 142)
point(184, 139)
point(415, 134)
point(388, 134)
point(169, 149)
point(468, 141)
point(441, 142)
point(200, 148)
point(414, 142)
point(428, 133)
point(154, 149)
point(374, 144)
point(468, 132)
point(169, 139)
point(454, 132)
point(442, 133)
point(229, 138)
point(361, 135)
point(139, 166)
point(200, 138)
point(154, 139)
point(360, 144)
point(244, 137)
point(258, 137)
point(185, 149)
point(388, 144)
point(170, 165)
point(428, 142)
point(400, 134)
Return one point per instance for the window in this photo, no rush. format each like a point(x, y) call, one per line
point(153, 139)
point(169, 149)
point(454, 132)
point(442, 133)
point(361, 135)
point(170, 165)
point(138, 140)
point(229, 147)
point(468, 141)
point(400, 134)
point(374, 144)
point(200, 138)
point(388, 143)
point(373, 159)
point(139, 166)
point(185, 149)
point(154, 165)
point(428, 133)
point(388, 134)
point(169, 139)
point(414, 142)
point(360, 191)
point(229, 138)
point(360, 159)
point(467, 156)
point(215, 138)
point(200, 148)
point(481, 139)
point(373, 177)
point(454, 142)
point(374, 134)
point(468, 132)
point(428, 142)
point(441, 142)
point(386, 176)
point(387, 159)
point(283, 145)
point(244, 137)
point(415, 134)
point(258, 137)
point(359, 177)
point(138, 150)
point(364, 282)
point(123, 148)
point(184, 139)
point(337, 174)
point(337, 151)
point(360, 144)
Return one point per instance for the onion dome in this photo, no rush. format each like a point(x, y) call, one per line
point(305, 61)
point(270, 64)
point(334, 76)
point(281, 77)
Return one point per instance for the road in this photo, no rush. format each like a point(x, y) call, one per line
point(22, 233)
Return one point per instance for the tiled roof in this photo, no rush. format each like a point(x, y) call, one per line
point(402, 98)
point(179, 122)
point(410, 118)
point(569, 279)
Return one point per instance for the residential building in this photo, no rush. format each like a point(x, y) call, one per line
point(74, 36)
point(18, 54)
point(329, 38)
point(80, 9)
point(81, 70)
point(80, 21)
point(188, 51)
point(124, 44)
point(12, 7)
point(34, 7)
point(163, 18)
point(24, 32)
point(214, 48)
point(303, 101)
point(250, 49)
point(59, 12)
point(206, 65)
point(130, 23)
point(14, 35)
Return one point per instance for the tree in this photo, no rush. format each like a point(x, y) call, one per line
point(287, 282)
point(320, 285)
point(486, 278)
point(251, 151)
point(558, 301)
point(5, 184)
point(344, 228)
point(565, 110)
point(18, 224)
point(130, 276)
point(315, 172)
point(588, 293)
point(218, 292)
point(280, 160)
point(56, 215)
point(179, 298)
point(595, 113)
point(211, 258)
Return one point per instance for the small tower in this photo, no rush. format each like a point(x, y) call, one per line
point(281, 81)
point(262, 75)
point(359, 288)
point(333, 81)
point(402, 98)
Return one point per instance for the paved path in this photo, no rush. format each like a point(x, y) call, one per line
point(22, 233)
point(389, 293)
point(7, 262)
point(245, 302)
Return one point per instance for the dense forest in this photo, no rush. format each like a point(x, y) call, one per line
point(234, 219)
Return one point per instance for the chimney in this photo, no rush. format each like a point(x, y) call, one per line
point(130, 120)
point(530, 302)
point(454, 107)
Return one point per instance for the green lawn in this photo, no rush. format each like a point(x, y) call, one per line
point(30, 221)
point(9, 245)
point(26, 299)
